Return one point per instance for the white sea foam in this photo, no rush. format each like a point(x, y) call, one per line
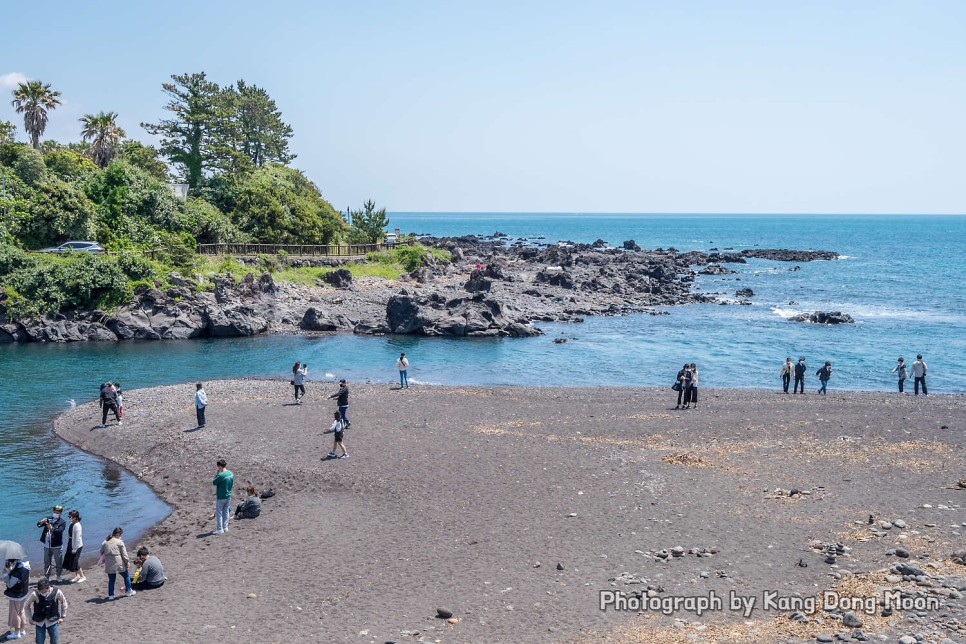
point(785, 313)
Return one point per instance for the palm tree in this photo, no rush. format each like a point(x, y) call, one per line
point(33, 99)
point(104, 134)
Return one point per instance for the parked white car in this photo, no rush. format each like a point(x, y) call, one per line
point(76, 247)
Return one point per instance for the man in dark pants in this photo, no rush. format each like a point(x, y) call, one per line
point(109, 403)
point(800, 376)
point(787, 374)
point(343, 401)
point(53, 540)
point(151, 572)
point(919, 373)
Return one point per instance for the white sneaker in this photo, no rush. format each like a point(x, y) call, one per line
point(218, 532)
point(110, 598)
point(132, 593)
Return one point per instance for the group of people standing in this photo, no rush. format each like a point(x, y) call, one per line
point(46, 606)
point(918, 373)
point(686, 384)
point(112, 401)
point(798, 370)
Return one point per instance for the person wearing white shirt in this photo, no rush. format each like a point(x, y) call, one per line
point(201, 401)
point(403, 365)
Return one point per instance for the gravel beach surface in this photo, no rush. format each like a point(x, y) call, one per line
point(512, 508)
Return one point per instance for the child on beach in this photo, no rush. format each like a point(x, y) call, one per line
point(120, 402)
point(338, 429)
point(901, 370)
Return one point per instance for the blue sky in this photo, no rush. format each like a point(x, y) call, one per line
point(550, 106)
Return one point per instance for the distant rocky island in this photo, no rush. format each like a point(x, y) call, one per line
point(493, 286)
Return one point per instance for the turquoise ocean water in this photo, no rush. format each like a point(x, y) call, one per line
point(900, 277)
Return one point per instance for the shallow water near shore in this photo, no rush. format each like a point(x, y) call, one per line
point(900, 279)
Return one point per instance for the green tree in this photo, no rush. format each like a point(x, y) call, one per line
point(133, 206)
point(29, 166)
point(193, 139)
point(51, 213)
point(257, 129)
point(68, 165)
point(279, 205)
point(33, 99)
point(368, 224)
point(145, 157)
point(104, 135)
point(8, 132)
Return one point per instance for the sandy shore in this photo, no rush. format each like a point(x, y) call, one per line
point(468, 499)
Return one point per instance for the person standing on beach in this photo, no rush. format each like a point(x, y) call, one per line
point(120, 402)
point(75, 543)
point(116, 562)
point(800, 370)
point(684, 381)
point(338, 429)
point(919, 375)
point(901, 371)
point(108, 403)
point(16, 578)
point(343, 402)
point(693, 389)
point(298, 381)
point(223, 482)
point(47, 608)
point(787, 369)
point(201, 401)
point(53, 538)
point(824, 373)
point(403, 365)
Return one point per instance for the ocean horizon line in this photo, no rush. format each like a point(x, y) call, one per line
point(672, 214)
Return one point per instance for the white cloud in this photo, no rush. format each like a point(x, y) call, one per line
point(12, 80)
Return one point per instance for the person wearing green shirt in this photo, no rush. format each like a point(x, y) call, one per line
point(223, 482)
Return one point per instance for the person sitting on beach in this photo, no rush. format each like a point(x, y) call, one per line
point(149, 573)
point(250, 507)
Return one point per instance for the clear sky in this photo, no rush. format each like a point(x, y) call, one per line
point(692, 106)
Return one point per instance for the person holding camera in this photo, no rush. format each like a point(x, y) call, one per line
point(298, 381)
point(52, 537)
point(343, 401)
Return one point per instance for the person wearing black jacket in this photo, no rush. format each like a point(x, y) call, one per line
point(800, 369)
point(52, 537)
point(684, 380)
point(109, 403)
point(16, 578)
point(343, 402)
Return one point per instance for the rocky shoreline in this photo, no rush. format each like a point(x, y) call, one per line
point(493, 286)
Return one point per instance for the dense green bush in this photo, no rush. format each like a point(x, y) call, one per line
point(60, 282)
point(278, 205)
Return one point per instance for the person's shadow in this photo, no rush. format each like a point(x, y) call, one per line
point(193, 429)
point(98, 600)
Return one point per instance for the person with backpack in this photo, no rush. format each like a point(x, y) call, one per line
point(109, 403)
point(824, 373)
point(16, 579)
point(901, 371)
point(402, 364)
point(919, 375)
point(786, 373)
point(46, 608)
point(338, 431)
point(800, 370)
